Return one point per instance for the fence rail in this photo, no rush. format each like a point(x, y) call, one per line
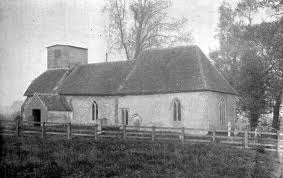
point(247, 139)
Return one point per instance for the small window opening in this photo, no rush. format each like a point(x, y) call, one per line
point(125, 116)
point(177, 113)
point(94, 111)
point(222, 111)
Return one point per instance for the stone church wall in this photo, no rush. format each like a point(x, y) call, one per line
point(59, 116)
point(46, 116)
point(157, 110)
point(199, 109)
point(82, 109)
point(30, 104)
point(214, 109)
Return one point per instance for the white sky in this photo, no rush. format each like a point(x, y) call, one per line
point(29, 26)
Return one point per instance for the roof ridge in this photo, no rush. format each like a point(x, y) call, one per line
point(64, 78)
point(171, 48)
point(51, 99)
point(220, 74)
point(42, 102)
point(123, 82)
point(58, 69)
point(45, 94)
point(68, 46)
point(201, 68)
point(225, 79)
point(61, 81)
point(111, 62)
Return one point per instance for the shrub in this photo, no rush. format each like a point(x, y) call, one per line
point(260, 149)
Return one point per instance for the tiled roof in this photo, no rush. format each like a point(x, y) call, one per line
point(179, 69)
point(55, 102)
point(214, 80)
point(96, 79)
point(46, 83)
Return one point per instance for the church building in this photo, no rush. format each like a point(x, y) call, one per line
point(173, 87)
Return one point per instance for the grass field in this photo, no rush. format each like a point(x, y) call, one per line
point(82, 157)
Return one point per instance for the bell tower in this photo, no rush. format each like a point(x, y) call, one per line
point(65, 56)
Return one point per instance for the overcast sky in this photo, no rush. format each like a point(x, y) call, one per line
point(29, 26)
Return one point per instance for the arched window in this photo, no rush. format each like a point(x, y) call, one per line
point(94, 111)
point(125, 116)
point(177, 114)
point(222, 111)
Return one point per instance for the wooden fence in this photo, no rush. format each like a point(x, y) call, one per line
point(247, 139)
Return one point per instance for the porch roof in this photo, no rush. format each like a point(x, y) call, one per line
point(54, 102)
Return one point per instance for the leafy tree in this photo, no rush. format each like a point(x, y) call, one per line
point(270, 37)
point(247, 9)
point(250, 54)
point(252, 87)
point(137, 25)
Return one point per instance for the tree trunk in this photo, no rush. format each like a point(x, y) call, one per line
point(234, 71)
point(276, 111)
point(254, 116)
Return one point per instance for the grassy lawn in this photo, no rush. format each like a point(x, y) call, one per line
point(84, 157)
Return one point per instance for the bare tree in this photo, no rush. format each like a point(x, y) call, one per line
point(142, 24)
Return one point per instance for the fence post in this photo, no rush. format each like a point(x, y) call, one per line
point(183, 135)
point(43, 130)
point(246, 139)
point(95, 132)
point(153, 133)
point(213, 135)
point(229, 129)
point(124, 132)
point(17, 127)
point(69, 132)
point(278, 142)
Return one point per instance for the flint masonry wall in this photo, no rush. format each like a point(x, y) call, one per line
point(214, 109)
point(82, 109)
point(59, 116)
point(199, 109)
